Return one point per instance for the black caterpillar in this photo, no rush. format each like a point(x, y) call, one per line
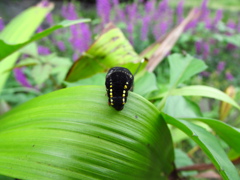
point(119, 81)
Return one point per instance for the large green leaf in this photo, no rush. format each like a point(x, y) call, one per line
point(17, 31)
point(74, 134)
point(228, 133)
point(200, 90)
point(209, 144)
point(109, 50)
point(183, 67)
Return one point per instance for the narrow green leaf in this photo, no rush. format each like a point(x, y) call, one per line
point(228, 133)
point(19, 30)
point(183, 67)
point(9, 48)
point(199, 90)
point(209, 144)
point(205, 91)
point(109, 50)
point(74, 134)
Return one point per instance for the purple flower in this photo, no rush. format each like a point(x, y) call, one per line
point(64, 10)
point(60, 45)
point(161, 10)
point(238, 26)
point(231, 24)
point(21, 78)
point(45, 3)
point(85, 37)
point(220, 66)
point(205, 74)
point(39, 29)
point(115, 3)
point(49, 18)
point(132, 12)
point(103, 9)
point(229, 76)
point(145, 28)
point(149, 6)
point(206, 50)
point(217, 18)
point(81, 37)
point(1, 24)
point(216, 51)
point(204, 10)
point(231, 47)
point(163, 27)
point(163, 6)
point(68, 11)
point(198, 46)
point(180, 11)
point(191, 25)
point(75, 56)
point(130, 29)
point(42, 50)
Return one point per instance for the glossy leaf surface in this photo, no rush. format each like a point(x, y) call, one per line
point(74, 134)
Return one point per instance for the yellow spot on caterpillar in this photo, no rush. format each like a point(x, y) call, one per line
point(125, 86)
point(124, 91)
point(111, 90)
point(126, 82)
point(111, 94)
point(123, 95)
point(111, 100)
point(110, 86)
point(111, 104)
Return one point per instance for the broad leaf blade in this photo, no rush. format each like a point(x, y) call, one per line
point(209, 145)
point(73, 134)
point(19, 30)
point(183, 67)
point(109, 50)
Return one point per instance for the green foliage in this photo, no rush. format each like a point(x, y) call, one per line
point(73, 133)
point(209, 144)
point(15, 33)
point(9, 47)
point(182, 68)
point(109, 50)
